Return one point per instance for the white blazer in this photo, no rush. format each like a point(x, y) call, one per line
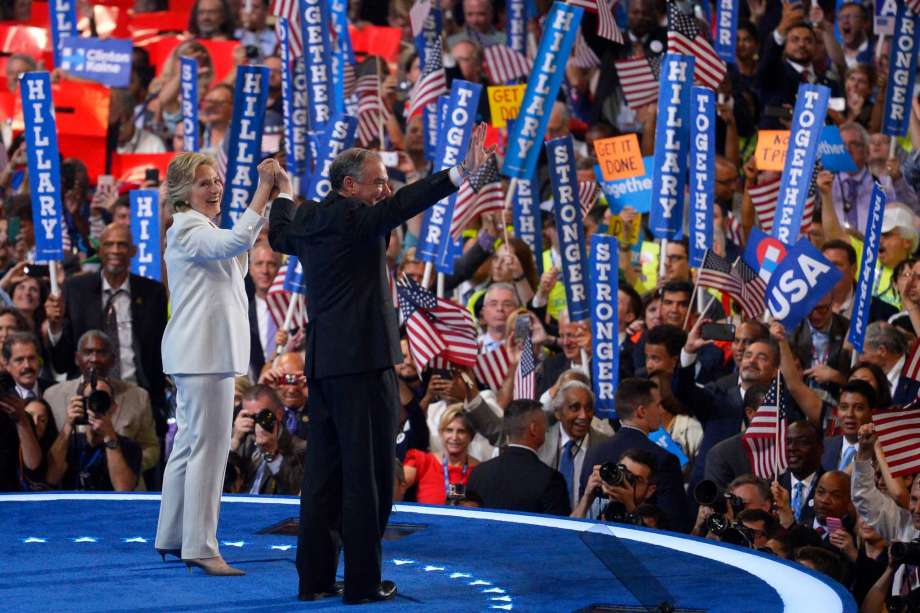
point(208, 331)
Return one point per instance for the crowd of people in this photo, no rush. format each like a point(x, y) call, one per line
point(87, 407)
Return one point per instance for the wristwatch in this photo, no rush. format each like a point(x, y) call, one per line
point(112, 444)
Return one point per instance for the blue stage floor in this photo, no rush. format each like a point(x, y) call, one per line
point(70, 552)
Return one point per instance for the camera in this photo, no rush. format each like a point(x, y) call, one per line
point(266, 419)
point(616, 474)
point(615, 511)
point(731, 532)
point(98, 401)
point(906, 553)
point(289, 380)
point(708, 494)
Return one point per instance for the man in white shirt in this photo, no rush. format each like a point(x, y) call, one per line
point(263, 268)
point(499, 302)
point(23, 361)
point(857, 400)
point(886, 347)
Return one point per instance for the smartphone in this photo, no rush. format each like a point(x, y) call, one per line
point(152, 175)
point(718, 332)
point(833, 523)
point(105, 183)
point(521, 328)
point(253, 53)
point(444, 373)
point(36, 271)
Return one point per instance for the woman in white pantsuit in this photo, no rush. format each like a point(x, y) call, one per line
point(205, 345)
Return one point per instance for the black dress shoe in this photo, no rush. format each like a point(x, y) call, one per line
point(385, 591)
point(336, 589)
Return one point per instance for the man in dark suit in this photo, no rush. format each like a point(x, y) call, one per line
point(843, 256)
point(638, 403)
point(821, 337)
point(887, 348)
point(857, 399)
point(129, 308)
point(352, 345)
point(729, 459)
point(800, 480)
point(517, 479)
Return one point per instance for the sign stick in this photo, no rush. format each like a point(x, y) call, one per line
point(440, 285)
point(53, 272)
point(509, 195)
point(426, 276)
point(661, 259)
point(288, 318)
point(381, 116)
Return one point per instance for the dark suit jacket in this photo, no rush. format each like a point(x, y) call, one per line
point(669, 494)
point(342, 242)
point(906, 391)
point(808, 506)
point(727, 460)
point(518, 481)
point(830, 459)
point(256, 354)
point(838, 358)
point(549, 372)
point(83, 311)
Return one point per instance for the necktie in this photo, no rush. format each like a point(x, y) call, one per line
point(110, 327)
point(567, 465)
point(797, 499)
point(847, 457)
point(271, 329)
point(851, 189)
point(290, 420)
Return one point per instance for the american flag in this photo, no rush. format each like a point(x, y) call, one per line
point(733, 230)
point(431, 84)
point(436, 326)
point(492, 367)
point(716, 273)
point(768, 427)
point(366, 85)
point(606, 24)
point(278, 299)
point(480, 193)
point(911, 368)
point(638, 80)
point(289, 9)
point(764, 197)
point(684, 37)
point(582, 54)
point(504, 64)
point(587, 195)
point(525, 375)
point(371, 111)
point(753, 298)
point(899, 435)
point(418, 14)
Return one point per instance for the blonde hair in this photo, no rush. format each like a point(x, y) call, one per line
point(180, 175)
point(455, 411)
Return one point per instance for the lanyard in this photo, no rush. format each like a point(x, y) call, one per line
point(466, 467)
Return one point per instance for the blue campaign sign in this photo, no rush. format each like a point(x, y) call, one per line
point(63, 17)
point(635, 192)
point(245, 145)
point(293, 277)
point(833, 153)
point(902, 71)
point(807, 123)
point(342, 53)
point(672, 143)
point(763, 253)
point(458, 121)
point(188, 102)
point(560, 154)
point(44, 164)
point(317, 53)
point(145, 232)
point(605, 341)
point(726, 29)
point(542, 88)
point(303, 157)
point(104, 61)
point(338, 137)
point(862, 294)
point(885, 12)
point(801, 279)
point(663, 439)
point(429, 36)
point(702, 172)
point(450, 250)
point(287, 98)
point(516, 16)
point(526, 219)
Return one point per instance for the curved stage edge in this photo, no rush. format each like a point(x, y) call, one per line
point(54, 545)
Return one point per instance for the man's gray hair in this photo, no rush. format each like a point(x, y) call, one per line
point(98, 334)
point(859, 129)
point(882, 334)
point(349, 163)
point(504, 286)
point(558, 400)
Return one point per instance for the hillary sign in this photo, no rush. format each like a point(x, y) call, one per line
point(287, 99)
point(862, 295)
point(63, 17)
point(526, 214)
point(317, 53)
point(542, 89)
point(459, 118)
point(902, 71)
point(44, 164)
point(561, 155)
point(807, 123)
point(245, 141)
point(145, 232)
point(605, 364)
point(188, 96)
point(339, 137)
point(672, 139)
point(702, 172)
point(517, 25)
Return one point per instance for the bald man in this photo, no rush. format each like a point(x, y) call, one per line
point(287, 378)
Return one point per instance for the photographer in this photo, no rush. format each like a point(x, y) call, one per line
point(88, 454)
point(287, 379)
point(267, 452)
point(617, 498)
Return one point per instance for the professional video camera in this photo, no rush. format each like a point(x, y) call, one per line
point(708, 494)
point(98, 401)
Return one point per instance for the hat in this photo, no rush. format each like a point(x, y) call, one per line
point(898, 216)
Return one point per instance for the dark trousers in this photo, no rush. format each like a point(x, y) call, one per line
point(348, 480)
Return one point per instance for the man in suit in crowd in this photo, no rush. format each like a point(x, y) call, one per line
point(886, 347)
point(286, 378)
point(263, 267)
point(832, 499)
point(638, 403)
point(797, 484)
point(857, 400)
point(574, 336)
point(620, 503)
point(821, 337)
point(843, 256)
point(517, 480)
point(129, 308)
point(352, 345)
point(729, 458)
point(134, 418)
point(22, 355)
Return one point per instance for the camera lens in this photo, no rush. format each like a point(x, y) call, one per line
point(266, 419)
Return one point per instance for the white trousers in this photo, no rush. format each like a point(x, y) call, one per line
point(194, 476)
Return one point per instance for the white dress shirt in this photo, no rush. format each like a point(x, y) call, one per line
point(263, 315)
point(581, 451)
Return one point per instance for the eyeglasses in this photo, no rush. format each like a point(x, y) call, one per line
point(216, 102)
